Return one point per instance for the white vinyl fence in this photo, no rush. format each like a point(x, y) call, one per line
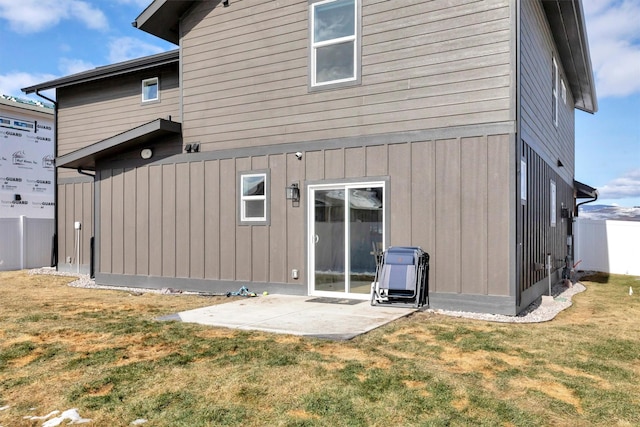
point(25, 242)
point(607, 246)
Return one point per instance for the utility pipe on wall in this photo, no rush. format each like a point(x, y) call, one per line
point(549, 271)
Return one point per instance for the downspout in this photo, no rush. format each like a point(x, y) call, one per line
point(518, 161)
point(54, 248)
point(92, 238)
point(584, 203)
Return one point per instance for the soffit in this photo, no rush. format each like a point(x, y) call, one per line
point(85, 158)
point(162, 19)
point(583, 191)
point(566, 19)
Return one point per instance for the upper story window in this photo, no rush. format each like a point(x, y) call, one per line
point(253, 198)
point(150, 90)
point(554, 89)
point(335, 50)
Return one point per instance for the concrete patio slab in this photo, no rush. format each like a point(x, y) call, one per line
point(337, 319)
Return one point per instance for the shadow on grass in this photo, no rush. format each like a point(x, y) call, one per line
point(595, 277)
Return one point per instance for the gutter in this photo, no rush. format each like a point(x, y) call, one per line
point(81, 172)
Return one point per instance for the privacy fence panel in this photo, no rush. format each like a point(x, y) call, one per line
point(608, 246)
point(25, 243)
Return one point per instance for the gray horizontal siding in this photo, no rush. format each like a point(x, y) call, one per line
point(551, 142)
point(92, 112)
point(424, 65)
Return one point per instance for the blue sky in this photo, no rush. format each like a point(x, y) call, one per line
point(46, 39)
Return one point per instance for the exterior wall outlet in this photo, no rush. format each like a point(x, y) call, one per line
point(69, 260)
point(294, 273)
point(77, 225)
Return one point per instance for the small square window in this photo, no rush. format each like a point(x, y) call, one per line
point(253, 198)
point(150, 90)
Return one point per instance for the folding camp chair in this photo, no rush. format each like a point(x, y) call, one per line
point(401, 277)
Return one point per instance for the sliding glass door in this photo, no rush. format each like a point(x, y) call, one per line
point(346, 224)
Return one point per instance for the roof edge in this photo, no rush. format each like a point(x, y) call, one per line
point(102, 72)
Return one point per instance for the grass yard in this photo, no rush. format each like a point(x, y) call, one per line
point(103, 353)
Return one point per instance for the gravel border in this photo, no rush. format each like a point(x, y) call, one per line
point(539, 311)
point(84, 281)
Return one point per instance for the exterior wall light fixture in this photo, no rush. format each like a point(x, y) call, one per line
point(146, 153)
point(293, 192)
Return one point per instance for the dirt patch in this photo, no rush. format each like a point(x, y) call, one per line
point(552, 389)
point(459, 362)
point(303, 415)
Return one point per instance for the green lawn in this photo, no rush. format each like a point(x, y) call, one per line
point(103, 353)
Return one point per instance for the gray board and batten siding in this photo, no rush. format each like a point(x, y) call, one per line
point(172, 220)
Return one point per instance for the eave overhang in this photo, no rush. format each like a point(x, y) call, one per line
point(583, 191)
point(566, 19)
point(134, 65)
point(85, 158)
point(162, 19)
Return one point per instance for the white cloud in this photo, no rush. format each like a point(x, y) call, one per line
point(142, 4)
point(12, 83)
point(69, 66)
point(125, 48)
point(614, 41)
point(627, 186)
point(32, 16)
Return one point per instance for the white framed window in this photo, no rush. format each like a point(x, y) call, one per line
point(254, 205)
point(150, 90)
point(552, 192)
point(554, 92)
point(523, 181)
point(335, 50)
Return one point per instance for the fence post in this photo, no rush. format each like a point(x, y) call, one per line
point(23, 238)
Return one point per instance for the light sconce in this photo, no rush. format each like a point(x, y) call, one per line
point(293, 192)
point(225, 3)
point(146, 153)
point(560, 164)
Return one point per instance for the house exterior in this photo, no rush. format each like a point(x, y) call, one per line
point(26, 183)
point(439, 124)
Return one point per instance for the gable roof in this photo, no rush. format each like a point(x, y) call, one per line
point(566, 19)
point(119, 68)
